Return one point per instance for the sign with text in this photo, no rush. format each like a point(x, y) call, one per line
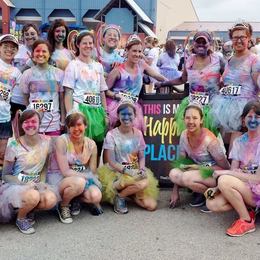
point(162, 142)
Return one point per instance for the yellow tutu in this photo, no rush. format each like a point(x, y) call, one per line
point(107, 177)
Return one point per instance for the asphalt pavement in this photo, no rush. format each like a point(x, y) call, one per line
point(180, 233)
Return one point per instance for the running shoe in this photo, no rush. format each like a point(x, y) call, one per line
point(64, 214)
point(241, 227)
point(25, 226)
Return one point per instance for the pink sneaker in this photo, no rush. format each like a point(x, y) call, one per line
point(241, 227)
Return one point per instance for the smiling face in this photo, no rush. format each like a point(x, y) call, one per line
point(134, 53)
point(7, 51)
point(240, 40)
point(31, 125)
point(41, 54)
point(111, 38)
point(30, 36)
point(86, 46)
point(201, 46)
point(60, 34)
point(193, 120)
point(127, 116)
point(77, 130)
point(252, 120)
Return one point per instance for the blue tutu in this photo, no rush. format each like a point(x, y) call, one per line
point(226, 111)
point(170, 73)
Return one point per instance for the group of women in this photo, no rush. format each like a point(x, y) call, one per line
point(56, 107)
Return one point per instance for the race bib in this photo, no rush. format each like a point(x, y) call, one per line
point(250, 169)
point(128, 97)
point(199, 97)
point(78, 168)
point(92, 99)
point(42, 105)
point(31, 177)
point(129, 166)
point(231, 90)
point(5, 93)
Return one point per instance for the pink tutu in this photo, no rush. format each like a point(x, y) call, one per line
point(112, 106)
point(255, 188)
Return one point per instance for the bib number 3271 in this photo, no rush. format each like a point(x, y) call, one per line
point(201, 98)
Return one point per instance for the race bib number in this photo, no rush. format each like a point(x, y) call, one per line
point(5, 93)
point(78, 168)
point(128, 97)
point(199, 97)
point(32, 177)
point(92, 99)
point(231, 90)
point(250, 169)
point(129, 166)
point(42, 105)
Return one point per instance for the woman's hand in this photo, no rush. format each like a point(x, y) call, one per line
point(175, 199)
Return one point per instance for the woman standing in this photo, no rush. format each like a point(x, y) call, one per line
point(84, 88)
point(203, 147)
point(239, 80)
point(57, 37)
point(77, 159)
point(239, 188)
point(125, 175)
point(202, 70)
point(125, 82)
point(24, 172)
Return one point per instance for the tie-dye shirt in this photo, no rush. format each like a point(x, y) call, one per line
point(44, 85)
point(84, 78)
point(131, 83)
point(207, 79)
point(9, 79)
point(107, 59)
point(239, 71)
point(126, 148)
point(28, 161)
point(208, 152)
point(78, 162)
point(61, 58)
point(246, 151)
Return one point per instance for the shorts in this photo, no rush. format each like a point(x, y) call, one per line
point(6, 130)
point(15, 107)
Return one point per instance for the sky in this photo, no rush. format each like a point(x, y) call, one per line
point(227, 10)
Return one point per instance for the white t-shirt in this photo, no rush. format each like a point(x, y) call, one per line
point(84, 78)
point(167, 62)
point(154, 55)
point(61, 58)
point(9, 78)
point(44, 86)
point(28, 161)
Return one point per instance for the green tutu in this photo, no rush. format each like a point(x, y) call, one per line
point(108, 176)
point(208, 122)
point(96, 124)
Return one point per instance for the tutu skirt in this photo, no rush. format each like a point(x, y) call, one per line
point(112, 106)
point(208, 121)
point(96, 129)
point(11, 198)
point(170, 73)
point(255, 188)
point(227, 110)
point(108, 177)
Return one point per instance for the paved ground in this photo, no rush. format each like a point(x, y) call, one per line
point(183, 233)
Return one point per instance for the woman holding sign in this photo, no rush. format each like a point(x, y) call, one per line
point(84, 88)
point(24, 172)
point(125, 82)
point(202, 70)
point(239, 80)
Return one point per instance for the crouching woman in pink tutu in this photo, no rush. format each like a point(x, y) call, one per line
point(24, 169)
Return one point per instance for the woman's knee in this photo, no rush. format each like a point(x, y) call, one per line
point(74, 184)
point(31, 198)
point(141, 185)
point(93, 195)
point(48, 200)
point(224, 182)
point(175, 175)
point(150, 204)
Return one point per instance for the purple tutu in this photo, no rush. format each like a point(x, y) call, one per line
point(255, 188)
point(112, 106)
